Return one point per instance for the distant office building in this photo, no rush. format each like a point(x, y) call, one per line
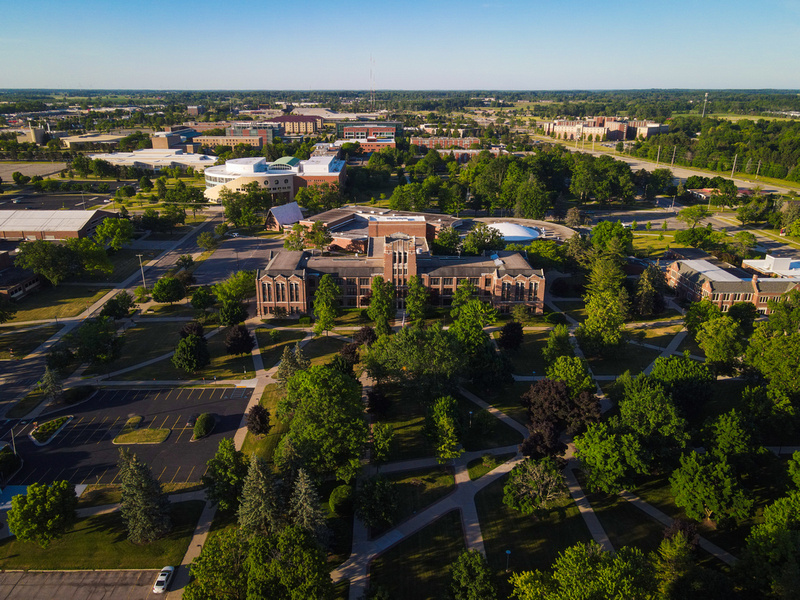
point(354, 129)
point(369, 144)
point(157, 159)
point(76, 142)
point(213, 141)
point(298, 123)
point(725, 285)
point(445, 142)
point(196, 110)
point(282, 177)
point(603, 128)
point(30, 225)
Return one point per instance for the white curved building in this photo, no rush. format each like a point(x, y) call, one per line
point(282, 177)
point(514, 233)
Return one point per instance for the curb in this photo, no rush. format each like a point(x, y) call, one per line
point(53, 436)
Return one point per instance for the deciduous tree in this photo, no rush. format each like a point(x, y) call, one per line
point(44, 513)
point(326, 304)
point(191, 354)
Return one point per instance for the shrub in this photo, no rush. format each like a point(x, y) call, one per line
point(556, 318)
point(203, 426)
point(275, 335)
point(77, 394)
point(10, 462)
point(305, 320)
point(258, 420)
point(341, 500)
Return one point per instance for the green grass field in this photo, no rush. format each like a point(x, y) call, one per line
point(505, 399)
point(125, 262)
point(60, 302)
point(534, 542)
point(478, 467)
point(629, 357)
point(407, 416)
point(22, 343)
point(322, 349)
point(658, 336)
point(264, 445)
point(528, 358)
point(418, 568)
point(271, 353)
point(31, 400)
point(100, 542)
point(143, 342)
point(482, 430)
point(573, 308)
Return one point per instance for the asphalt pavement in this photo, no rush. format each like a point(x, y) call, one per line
point(77, 585)
point(237, 254)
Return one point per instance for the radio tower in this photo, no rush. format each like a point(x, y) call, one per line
point(704, 106)
point(372, 81)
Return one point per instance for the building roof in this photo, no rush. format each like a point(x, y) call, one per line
point(46, 220)
point(286, 214)
point(292, 161)
point(513, 232)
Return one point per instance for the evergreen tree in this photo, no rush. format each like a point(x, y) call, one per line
point(51, 384)
point(287, 367)
point(649, 299)
point(225, 476)
point(260, 509)
point(144, 507)
point(305, 507)
point(300, 358)
point(326, 304)
point(558, 344)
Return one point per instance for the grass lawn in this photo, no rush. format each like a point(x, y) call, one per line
point(60, 302)
point(649, 246)
point(45, 431)
point(478, 467)
point(573, 308)
point(417, 490)
point(26, 405)
point(179, 309)
point(264, 445)
point(100, 542)
point(322, 349)
point(418, 568)
point(689, 344)
point(481, 430)
point(505, 399)
point(407, 416)
point(223, 365)
point(534, 542)
point(528, 358)
point(143, 342)
point(23, 343)
point(125, 263)
point(353, 317)
point(658, 336)
point(629, 357)
point(131, 434)
point(271, 353)
point(727, 395)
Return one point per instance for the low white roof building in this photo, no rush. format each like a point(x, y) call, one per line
point(155, 159)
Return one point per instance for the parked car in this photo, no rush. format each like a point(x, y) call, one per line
point(163, 579)
point(192, 420)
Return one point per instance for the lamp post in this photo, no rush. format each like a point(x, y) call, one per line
point(508, 557)
point(470, 419)
point(141, 266)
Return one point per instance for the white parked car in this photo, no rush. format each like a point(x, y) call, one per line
point(162, 582)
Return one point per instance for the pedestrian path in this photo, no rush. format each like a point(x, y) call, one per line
point(585, 508)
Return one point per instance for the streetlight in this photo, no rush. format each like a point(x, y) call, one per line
point(144, 283)
point(508, 556)
point(470, 419)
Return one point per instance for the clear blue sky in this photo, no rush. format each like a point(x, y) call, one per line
point(433, 44)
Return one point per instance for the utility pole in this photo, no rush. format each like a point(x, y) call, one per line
point(758, 168)
point(658, 156)
point(704, 106)
point(674, 148)
point(735, 156)
point(144, 283)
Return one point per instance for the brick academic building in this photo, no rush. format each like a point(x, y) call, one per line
point(397, 250)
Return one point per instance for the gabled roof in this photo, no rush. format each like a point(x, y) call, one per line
point(286, 214)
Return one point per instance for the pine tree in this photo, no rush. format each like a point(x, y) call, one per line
point(144, 507)
point(287, 367)
point(259, 511)
point(300, 358)
point(225, 476)
point(51, 384)
point(305, 507)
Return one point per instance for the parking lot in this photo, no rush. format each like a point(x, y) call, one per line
point(84, 452)
point(237, 254)
point(78, 585)
point(52, 201)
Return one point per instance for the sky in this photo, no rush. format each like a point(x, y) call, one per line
point(431, 44)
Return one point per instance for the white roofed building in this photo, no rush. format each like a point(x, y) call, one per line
point(157, 159)
point(29, 225)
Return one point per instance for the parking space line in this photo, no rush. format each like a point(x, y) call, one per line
point(174, 476)
point(94, 430)
point(189, 475)
point(180, 435)
point(115, 478)
point(110, 428)
point(87, 475)
point(162, 422)
point(162, 472)
point(67, 433)
point(28, 476)
point(99, 479)
point(175, 424)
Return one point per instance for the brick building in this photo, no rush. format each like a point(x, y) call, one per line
point(602, 128)
point(724, 285)
point(29, 225)
point(298, 124)
point(353, 130)
point(446, 142)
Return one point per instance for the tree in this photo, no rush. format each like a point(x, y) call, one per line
point(191, 354)
point(239, 340)
point(305, 508)
point(481, 238)
point(416, 299)
point(143, 506)
point(238, 287)
point(168, 289)
point(192, 328)
point(465, 292)
point(202, 299)
point(468, 326)
point(610, 458)
point(558, 344)
point(587, 571)
point(207, 241)
point(721, 340)
point(693, 215)
point(51, 384)
point(119, 306)
point(511, 336)
point(96, 341)
point(260, 509)
point(743, 243)
point(649, 299)
point(326, 304)
point(700, 313)
point(7, 310)
point(688, 382)
point(605, 317)
point(382, 440)
point(258, 420)
point(472, 578)
point(327, 431)
point(381, 304)
point(447, 241)
point(445, 429)
point(377, 502)
point(115, 233)
point(292, 360)
point(705, 487)
point(219, 572)
point(185, 261)
point(295, 239)
point(225, 476)
point(43, 514)
point(606, 231)
point(318, 236)
point(231, 313)
point(365, 336)
point(535, 486)
point(551, 400)
point(54, 262)
point(745, 314)
point(573, 372)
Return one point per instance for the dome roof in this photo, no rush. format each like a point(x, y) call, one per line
point(514, 233)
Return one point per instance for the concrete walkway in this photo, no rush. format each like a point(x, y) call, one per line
point(585, 508)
